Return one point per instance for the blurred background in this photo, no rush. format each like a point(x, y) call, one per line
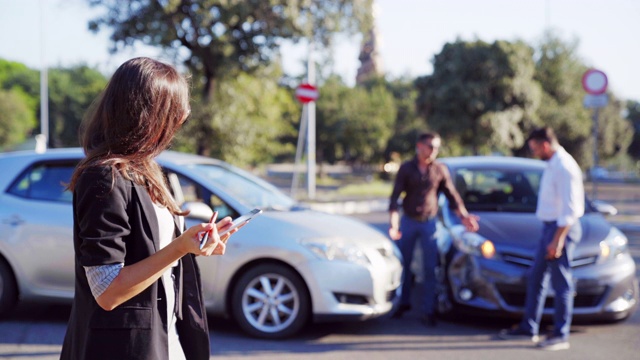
point(482, 74)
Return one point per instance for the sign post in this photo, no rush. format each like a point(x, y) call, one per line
point(595, 82)
point(307, 94)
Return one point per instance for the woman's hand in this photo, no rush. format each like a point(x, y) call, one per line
point(215, 244)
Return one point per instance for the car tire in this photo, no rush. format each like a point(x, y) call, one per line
point(8, 289)
point(270, 301)
point(447, 306)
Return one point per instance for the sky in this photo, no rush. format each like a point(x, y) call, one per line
point(411, 32)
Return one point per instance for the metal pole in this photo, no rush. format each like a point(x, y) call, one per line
point(594, 179)
point(311, 129)
point(301, 134)
point(44, 83)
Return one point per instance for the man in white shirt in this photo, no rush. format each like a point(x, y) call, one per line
point(560, 206)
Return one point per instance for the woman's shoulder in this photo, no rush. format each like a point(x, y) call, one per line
point(95, 172)
point(104, 178)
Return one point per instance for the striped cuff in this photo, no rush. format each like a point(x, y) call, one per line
point(101, 276)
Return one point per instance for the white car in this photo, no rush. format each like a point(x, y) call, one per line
point(288, 266)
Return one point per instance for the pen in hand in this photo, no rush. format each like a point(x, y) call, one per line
point(205, 237)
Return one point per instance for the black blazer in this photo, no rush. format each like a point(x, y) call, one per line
point(119, 225)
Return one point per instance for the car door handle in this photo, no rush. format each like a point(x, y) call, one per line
point(15, 220)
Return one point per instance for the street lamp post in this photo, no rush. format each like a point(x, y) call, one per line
point(42, 142)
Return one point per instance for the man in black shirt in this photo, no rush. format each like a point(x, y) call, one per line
point(422, 179)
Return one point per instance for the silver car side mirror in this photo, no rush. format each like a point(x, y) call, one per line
point(198, 210)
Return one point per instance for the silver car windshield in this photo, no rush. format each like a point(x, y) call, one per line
point(246, 188)
point(498, 190)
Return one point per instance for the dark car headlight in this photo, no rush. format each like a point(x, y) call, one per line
point(614, 245)
point(472, 243)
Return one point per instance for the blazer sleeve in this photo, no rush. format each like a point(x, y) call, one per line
point(100, 212)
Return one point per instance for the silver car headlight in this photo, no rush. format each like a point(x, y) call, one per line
point(472, 243)
point(336, 250)
point(614, 245)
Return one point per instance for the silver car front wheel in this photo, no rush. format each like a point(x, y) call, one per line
point(270, 301)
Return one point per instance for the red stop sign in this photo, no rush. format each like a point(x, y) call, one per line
point(306, 93)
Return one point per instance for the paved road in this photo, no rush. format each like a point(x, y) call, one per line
point(36, 332)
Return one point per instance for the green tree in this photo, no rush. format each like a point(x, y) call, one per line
point(353, 124)
point(15, 75)
point(20, 88)
point(16, 118)
point(222, 38)
point(480, 95)
point(247, 121)
point(71, 92)
point(633, 116)
point(559, 71)
point(407, 124)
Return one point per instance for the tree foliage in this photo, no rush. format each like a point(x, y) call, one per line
point(71, 92)
point(19, 102)
point(353, 124)
point(633, 116)
point(480, 96)
point(224, 35)
point(221, 38)
point(559, 71)
point(407, 124)
point(246, 122)
point(16, 118)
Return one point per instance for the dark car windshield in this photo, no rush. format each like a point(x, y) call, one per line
point(498, 190)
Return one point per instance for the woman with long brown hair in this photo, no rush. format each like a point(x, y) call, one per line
point(138, 292)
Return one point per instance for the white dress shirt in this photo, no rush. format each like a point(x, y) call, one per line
point(165, 222)
point(561, 195)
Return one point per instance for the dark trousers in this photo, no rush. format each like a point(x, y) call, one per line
point(424, 231)
point(559, 272)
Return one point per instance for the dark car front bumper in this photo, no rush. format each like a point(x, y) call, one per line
point(604, 291)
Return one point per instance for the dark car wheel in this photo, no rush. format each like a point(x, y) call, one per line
point(270, 301)
point(445, 300)
point(8, 289)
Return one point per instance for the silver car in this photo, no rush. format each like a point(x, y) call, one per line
point(289, 266)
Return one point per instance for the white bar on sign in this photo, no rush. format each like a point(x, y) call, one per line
point(595, 101)
point(307, 93)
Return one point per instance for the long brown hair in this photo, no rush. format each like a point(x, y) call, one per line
point(133, 121)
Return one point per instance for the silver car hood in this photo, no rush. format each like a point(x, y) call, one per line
point(308, 224)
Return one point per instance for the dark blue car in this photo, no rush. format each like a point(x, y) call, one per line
point(485, 271)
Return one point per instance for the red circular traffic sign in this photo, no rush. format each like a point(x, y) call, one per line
point(594, 82)
point(306, 93)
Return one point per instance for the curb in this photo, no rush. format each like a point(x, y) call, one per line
point(349, 207)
